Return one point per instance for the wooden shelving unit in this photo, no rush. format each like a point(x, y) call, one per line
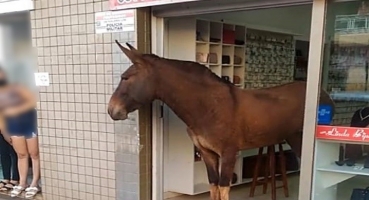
point(212, 49)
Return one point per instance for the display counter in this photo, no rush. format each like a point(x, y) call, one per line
point(335, 177)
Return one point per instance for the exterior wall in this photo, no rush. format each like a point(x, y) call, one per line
point(84, 154)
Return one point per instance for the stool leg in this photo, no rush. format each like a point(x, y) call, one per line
point(271, 150)
point(283, 170)
point(266, 173)
point(256, 172)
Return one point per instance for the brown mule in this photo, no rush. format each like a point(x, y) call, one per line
point(221, 118)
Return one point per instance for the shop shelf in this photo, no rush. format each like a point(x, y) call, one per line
point(358, 169)
point(202, 42)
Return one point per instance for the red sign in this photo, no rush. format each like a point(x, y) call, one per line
point(341, 133)
point(127, 4)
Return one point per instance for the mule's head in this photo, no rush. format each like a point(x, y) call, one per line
point(135, 88)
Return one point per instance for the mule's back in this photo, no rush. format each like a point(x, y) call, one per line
point(273, 114)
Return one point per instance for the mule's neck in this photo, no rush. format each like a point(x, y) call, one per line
point(184, 93)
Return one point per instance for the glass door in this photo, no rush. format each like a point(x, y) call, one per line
point(341, 167)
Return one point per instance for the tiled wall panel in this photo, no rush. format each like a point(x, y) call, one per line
point(85, 155)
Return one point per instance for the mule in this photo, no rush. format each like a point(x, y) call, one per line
point(221, 119)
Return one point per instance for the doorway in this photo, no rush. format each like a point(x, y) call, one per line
point(183, 174)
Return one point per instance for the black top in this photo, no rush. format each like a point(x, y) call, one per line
point(360, 118)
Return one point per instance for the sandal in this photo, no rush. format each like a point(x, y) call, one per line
point(17, 190)
point(3, 186)
point(31, 192)
point(10, 186)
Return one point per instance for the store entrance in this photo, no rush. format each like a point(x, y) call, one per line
point(252, 49)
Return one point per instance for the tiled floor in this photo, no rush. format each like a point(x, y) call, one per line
point(344, 190)
point(242, 192)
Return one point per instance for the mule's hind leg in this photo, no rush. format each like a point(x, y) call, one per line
point(228, 162)
point(295, 142)
point(212, 167)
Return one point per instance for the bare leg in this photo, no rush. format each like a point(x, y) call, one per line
point(20, 147)
point(228, 162)
point(33, 150)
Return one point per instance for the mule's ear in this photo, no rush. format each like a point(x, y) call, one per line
point(132, 55)
point(132, 48)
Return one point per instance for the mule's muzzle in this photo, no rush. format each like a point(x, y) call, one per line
point(117, 114)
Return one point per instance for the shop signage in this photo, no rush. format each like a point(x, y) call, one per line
point(8, 6)
point(127, 4)
point(341, 133)
point(42, 79)
point(115, 21)
point(324, 114)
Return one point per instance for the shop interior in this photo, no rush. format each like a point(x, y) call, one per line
point(252, 49)
point(282, 33)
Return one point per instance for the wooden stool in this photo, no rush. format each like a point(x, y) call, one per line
point(270, 171)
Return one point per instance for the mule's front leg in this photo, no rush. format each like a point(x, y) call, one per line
point(228, 162)
point(212, 167)
point(211, 160)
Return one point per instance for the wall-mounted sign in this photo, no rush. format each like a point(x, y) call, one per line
point(341, 133)
point(42, 79)
point(324, 114)
point(127, 4)
point(115, 21)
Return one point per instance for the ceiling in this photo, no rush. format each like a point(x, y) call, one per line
point(293, 20)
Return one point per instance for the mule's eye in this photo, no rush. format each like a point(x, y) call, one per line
point(124, 78)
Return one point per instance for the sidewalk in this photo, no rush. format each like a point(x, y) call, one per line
point(6, 197)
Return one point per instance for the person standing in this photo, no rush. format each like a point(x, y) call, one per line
point(19, 120)
point(9, 163)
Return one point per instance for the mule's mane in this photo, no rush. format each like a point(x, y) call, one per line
point(185, 66)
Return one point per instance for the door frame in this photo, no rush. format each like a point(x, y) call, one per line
point(158, 43)
point(159, 47)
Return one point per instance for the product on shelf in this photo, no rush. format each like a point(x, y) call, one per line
point(229, 36)
point(348, 162)
point(270, 59)
point(237, 60)
point(226, 59)
point(225, 78)
point(236, 79)
point(213, 58)
point(360, 194)
point(201, 57)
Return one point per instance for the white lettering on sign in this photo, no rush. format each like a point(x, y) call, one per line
point(360, 133)
point(115, 21)
point(42, 79)
point(335, 132)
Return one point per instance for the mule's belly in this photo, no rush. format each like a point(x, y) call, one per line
point(269, 132)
